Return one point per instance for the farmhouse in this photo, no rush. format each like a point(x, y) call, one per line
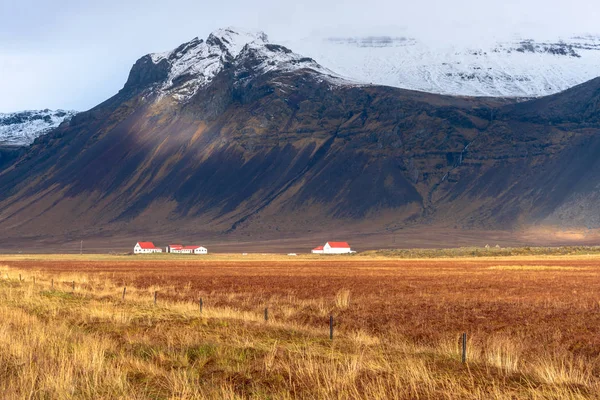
point(145, 248)
point(333, 248)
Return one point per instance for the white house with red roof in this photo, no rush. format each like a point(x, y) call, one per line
point(146, 248)
point(333, 248)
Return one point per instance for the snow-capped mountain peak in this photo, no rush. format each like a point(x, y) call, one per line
point(192, 65)
point(195, 63)
point(22, 128)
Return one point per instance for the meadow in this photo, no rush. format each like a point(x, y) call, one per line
point(88, 327)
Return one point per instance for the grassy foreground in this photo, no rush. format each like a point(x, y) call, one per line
point(91, 343)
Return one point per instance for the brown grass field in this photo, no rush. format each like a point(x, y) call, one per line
point(533, 325)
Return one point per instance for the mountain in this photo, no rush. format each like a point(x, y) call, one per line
point(23, 127)
point(521, 67)
point(20, 129)
point(234, 137)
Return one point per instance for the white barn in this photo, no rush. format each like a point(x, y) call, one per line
point(333, 248)
point(145, 248)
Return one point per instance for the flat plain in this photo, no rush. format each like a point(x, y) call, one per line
point(69, 329)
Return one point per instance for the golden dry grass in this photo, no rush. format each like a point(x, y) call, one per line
point(534, 328)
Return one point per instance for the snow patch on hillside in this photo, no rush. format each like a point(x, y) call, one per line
point(22, 128)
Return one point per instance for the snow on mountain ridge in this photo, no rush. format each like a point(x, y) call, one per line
point(515, 68)
point(22, 128)
point(194, 64)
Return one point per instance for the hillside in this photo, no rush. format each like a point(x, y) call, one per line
point(235, 137)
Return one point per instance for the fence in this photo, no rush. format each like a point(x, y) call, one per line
point(462, 340)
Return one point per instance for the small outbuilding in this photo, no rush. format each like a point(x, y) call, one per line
point(200, 250)
point(318, 250)
point(174, 248)
point(145, 248)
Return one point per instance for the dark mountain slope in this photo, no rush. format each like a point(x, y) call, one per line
point(579, 105)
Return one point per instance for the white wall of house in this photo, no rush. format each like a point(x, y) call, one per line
point(201, 250)
point(317, 251)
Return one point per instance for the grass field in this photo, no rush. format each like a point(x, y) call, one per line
point(533, 325)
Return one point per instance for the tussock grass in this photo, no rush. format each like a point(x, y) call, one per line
point(469, 252)
point(342, 299)
point(93, 344)
point(534, 268)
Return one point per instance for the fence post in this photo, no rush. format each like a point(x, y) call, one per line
point(19, 277)
point(155, 293)
point(52, 283)
point(266, 314)
point(331, 327)
point(73, 286)
point(464, 348)
point(34, 280)
point(200, 304)
point(124, 290)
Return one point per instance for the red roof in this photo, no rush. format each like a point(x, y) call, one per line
point(176, 246)
point(338, 245)
point(146, 245)
point(191, 247)
point(318, 248)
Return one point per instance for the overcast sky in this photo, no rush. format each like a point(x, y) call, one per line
point(73, 54)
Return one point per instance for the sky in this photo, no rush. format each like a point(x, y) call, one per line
point(74, 54)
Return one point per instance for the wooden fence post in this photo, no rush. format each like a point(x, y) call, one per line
point(19, 277)
point(124, 290)
point(464, 348)
point(331, 327)
point(200, 304)
point(266, 314)
point(52, 283)
point(155, 293)
point(73, 286)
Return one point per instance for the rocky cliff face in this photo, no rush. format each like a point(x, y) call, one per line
point(247, 138)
